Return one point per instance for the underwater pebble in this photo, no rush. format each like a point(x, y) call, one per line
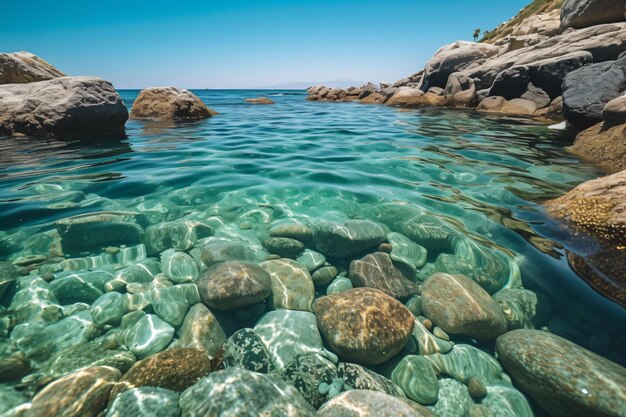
point(245, 349)
point(148, 335)
point(284, 246)
point(338, 285)
point(311, 260)
point(292, 286)
point(178, 266)
point(376, 270)
point(201, 330)
point(145, 401)
point(365, 403)
point(453, 399)
point(337, 240)
point(417, 378)
point(109, 308)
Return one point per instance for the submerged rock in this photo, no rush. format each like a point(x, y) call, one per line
point(62, 107)
point(464, 363)
point(309, 373)
point(339, 284)
point(87, 355)
point(460, 306)
point(417, 378)
point(234, 284)
point(519, 307)
point(311, 260)
point(347, 239)
point(84, 393)
point(171, 303)
point(602, 145)
point(297, 231)
point(292, 286)
point(284, 247)
point(503, 400)
point(377, 271)
point(178, 266)
point(407, 252)
point(562, 377)
point(453, 400)
point(169, 103)
point(24, 67)
point(363, 324)
point(84, 287)
point(201, 330)
point(259, 100)
point(145, 401)
point(245, 349)
point(221, 250)
point(365, 403)
point(177, 234)
point(237, 392)
point(147, 336)
point(173, 369)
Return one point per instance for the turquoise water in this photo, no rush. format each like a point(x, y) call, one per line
point(481, 178)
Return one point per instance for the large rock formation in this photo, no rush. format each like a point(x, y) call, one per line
point(580, 14)
point(169, 103)
point(602, 145)
point(62, 107)
point(24, 67)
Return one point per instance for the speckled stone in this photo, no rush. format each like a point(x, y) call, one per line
point(363, 324)
point(307, 372)
point(311, 260)
point(460, 306)
point(233, 284)
point(359, 377)
point(338, 285)
point(350, 238)
point(109, 308)
point(292, 230)
point(218, 250)
point(237, 392)
point(147, 336)
point(202, 331)
point(365, 403)
point(292, 285)
point(178, 266)
point(417, 378)
point(289, 333)
point(562, 377)
point(503, 400)
point(87, 355)
point(377, 271)
point(83, 393)
point(245, 349)
point(173, 369)
point(145, 401)
point(284, 246)
point(519, 307)
point(325, 274)
point(453, 400)
point(465, 362)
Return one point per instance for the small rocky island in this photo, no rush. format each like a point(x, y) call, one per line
point(231, 308)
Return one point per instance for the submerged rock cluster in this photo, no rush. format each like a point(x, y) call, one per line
point(237, 307)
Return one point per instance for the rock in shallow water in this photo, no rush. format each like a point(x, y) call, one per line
point(178, 266)
point(220, 250)
point(169, 103)
point(417, 378)
point(359, 377)
point(202, 331)
point(363, 324)
point(284, 247)
point(460, 306)
point(311, 260)
point(377, 271)
point(453, 400)
point(177, 234)
point(292, 286)
point(88, 355)
point(237, 392)
point(365, 403)
point(464, 363)
point(564, 378)
point(145, 401)
point(308, 374)
point(148, 335)
point(407, 252)
point(347, 239)
point(245, 349)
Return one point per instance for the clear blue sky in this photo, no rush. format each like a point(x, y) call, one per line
point(242, 43)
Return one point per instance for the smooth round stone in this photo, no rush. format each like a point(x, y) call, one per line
point(453, 400)
point(289, 333)
point(338, 285)
point(502, 399)
point(311, 260)
point(562, 377)
point(173, 369)
point(363, 324)
point(245, 349)
point(385, 247)
point(145, 401)
point(284, 246)
point(131, 318)
point(242, 393)
point(29, 260)
point(350, 238)
point(221, 250)
point(202, 331)
point(407, 252)
point(307, 372)
point(324, 275)
point(377, 271)
point(73, 330)
point(476, 389)
point(84, 287)
point(440, 333)
point(519, 307)
point(417, 378)
point(177, 234)
point(141, 301)
point(109, 308)
point(359, 377)
point(460, 306)
point(178, 266)
point(141, 272)
point(365, 403)
point(148, 336)
point(479, 410)
point(87, 355)
point(172, 303)
point(292, 286)
point(234, 284)
point(465, 362)
point(83, 393)
point(295, 231)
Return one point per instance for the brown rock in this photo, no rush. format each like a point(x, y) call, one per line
point(363, 324)
point(460, 306)
point(260, 100)
point(169, 103)
point(555, 109)
point(174, 369)
point(406, 97)
point(602, 145)
point(83, 393)
point(24, 67)
point(597, 207)
point(377, 271)
point(374, 98)
point(614, 113)
point(366, 403)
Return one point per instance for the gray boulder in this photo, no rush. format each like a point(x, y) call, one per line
point(62, 107)
point(580, 14)
point(24, 67)
point(549, 74)
point(588, 89)
point(537, 96)
point(511, 83)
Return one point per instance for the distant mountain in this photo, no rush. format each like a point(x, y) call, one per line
point(306, 84)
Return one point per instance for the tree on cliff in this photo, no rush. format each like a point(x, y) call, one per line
point(476, 34)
